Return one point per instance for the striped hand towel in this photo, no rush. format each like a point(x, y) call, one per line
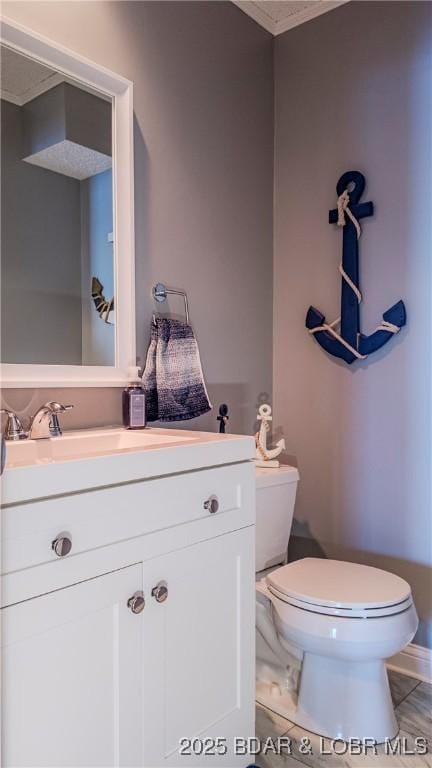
point(173, 377)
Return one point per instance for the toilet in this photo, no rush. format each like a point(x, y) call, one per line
point(324, 628)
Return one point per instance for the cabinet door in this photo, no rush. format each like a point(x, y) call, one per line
point(71, 688)
point(199, 650)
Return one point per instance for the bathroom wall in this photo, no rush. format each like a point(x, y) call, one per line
point(353, 91)
point(203, 95)
point(67, 113)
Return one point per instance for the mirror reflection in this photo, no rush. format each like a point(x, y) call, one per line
point(57, 294)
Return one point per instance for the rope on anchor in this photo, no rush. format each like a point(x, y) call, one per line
point(343, 208)
point(330, 327)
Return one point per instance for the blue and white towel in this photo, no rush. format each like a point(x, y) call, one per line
point(173, 377)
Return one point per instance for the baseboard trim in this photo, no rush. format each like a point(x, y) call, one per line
point(414, 661)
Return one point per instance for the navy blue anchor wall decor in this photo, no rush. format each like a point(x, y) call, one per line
point(342, 337)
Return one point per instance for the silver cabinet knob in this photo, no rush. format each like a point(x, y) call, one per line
point(62, 545)
point(137, 602)
point(160, 592)
point(212, 504)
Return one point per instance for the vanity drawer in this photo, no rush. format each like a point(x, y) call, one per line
point(97, 518)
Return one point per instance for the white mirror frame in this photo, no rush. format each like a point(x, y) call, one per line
point(48, 52)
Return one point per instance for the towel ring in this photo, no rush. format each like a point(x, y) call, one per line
point(160, 293)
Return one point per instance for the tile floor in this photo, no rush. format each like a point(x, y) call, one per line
point(413, 702)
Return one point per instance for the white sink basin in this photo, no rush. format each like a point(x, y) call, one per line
point(95, 458)
point(88, 443)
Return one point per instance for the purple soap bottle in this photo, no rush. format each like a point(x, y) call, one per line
point(133, 406)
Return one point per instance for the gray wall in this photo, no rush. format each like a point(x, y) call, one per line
point(41, 255)
point(88, 119)
point(203, 97)
point(67, 112)
point(353, 90)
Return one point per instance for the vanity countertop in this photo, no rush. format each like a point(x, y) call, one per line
point(86, 459)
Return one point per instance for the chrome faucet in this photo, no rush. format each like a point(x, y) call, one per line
point(45, 422)
point(14, 429)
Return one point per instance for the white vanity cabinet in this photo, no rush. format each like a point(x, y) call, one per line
point(199, 652)
point(72, 691)
point(141, 636)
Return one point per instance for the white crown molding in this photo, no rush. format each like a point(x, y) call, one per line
point(320, 7)
point(414, 661)
point(277, 27)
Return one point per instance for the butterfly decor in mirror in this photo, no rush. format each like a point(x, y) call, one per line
point(66, 305)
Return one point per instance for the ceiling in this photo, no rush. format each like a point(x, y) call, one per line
point(22, 79)
point(277, 17)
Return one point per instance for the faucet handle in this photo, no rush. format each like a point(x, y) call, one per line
point(14, 429)
point(55, 407)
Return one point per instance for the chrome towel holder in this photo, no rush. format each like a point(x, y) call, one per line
point(160, 293)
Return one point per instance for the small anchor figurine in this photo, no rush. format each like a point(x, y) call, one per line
point(348, 342)
point(264, 457)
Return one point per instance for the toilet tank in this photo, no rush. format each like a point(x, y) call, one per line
point(275, 498)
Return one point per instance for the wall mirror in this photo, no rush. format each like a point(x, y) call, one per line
point(67, 267)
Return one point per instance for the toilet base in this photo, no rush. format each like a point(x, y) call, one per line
point(337, 699)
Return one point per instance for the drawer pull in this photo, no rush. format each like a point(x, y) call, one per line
point(62, 545)
point(212, 504)
point(160, 592)
point(137, 602)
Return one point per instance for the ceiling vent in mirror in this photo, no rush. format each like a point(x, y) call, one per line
point(68, 131)
point(71, 159)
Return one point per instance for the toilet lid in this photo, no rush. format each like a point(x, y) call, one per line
point(337, 584)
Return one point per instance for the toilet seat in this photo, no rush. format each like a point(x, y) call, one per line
point(345, 613)
point(338, 588)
